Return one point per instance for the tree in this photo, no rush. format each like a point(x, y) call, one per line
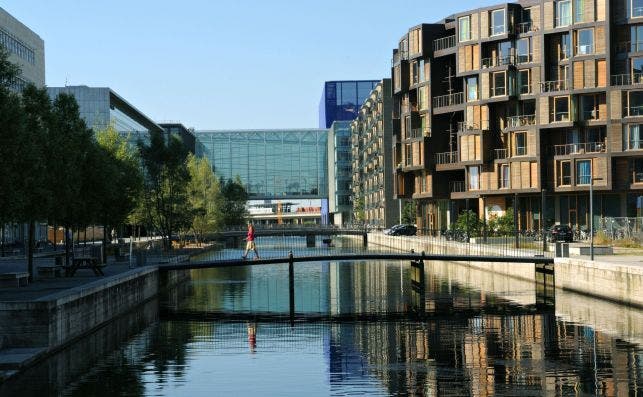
point(11, 125)
point(165, 184)
point(233, 208)
point(409, 213)
point(468, 221)
point(358, 210)
point(205, 197)
point(504, 224)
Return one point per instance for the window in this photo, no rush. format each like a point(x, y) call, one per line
point(563, 13)
point(585, 42)
point(637, 70)
point(498, 88)
point(565, 173)
point(525, 21)
point(464, 28)
point(637, 171)
point(565, 46)
point(524, 84)
point(583, 172)
point(421, 70)
point(633, 136)
point(520, 144)
point(474, 178)
point(504, 53)
point(636, 34)
point(637, 8)
point(523, 50)
point(423, 97)
point(498, 22)
point(578, 10)
point(590, 106)
point(415, 73)
point(472, 88)
point(426, 131)
point(635, 103)
point(505, 176)
point(561, 108)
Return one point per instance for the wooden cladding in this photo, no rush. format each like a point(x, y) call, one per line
point(484, 24)
point(468, 58)
point(477, 117)
point(589, 74)
point(470, 148)
point(524, 174)
point(484, 86)
point(599, 39)
point(600, 10)
point(475, 27)
point(423, 183)
point(615, 137)
point(415, 41)
point(548, 15)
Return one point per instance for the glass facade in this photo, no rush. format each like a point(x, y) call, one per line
point(270, 163)
point(341, 100)
point(342, 167)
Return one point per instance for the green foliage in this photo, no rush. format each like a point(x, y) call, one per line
point(233, 209)
point(205, 197)
point(409, 212)
point(8, 70)
point(165, 185)
point(502, 225)
point(358, 210)
point(12, 124)
point(468, 221)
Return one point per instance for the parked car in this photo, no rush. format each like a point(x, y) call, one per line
point(401, 230)
point(560, 233)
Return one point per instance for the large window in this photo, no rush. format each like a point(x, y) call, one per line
point(474, 178)
point(585, 42)
point(472, 88)
point(635, 103)
point(423, 97)
point(520, 143)
point(421, 70)
point(636, 33)
point(498, 22)
point(565, 173)
point(563, 13)
point(499, 87)
point(633, 136)
point(524, 81)
point(637, 70)
point(578, 10)
point(637, 8)
point(590, 106)
point(415, 73)
point(504, 53)
point(583, 172)
point(523, 51)
point(561, 108)
point(565, 46)
point(637, 171)
point(505, 176)
point(464, 28)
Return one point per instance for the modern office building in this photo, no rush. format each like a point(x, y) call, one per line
point(517, 99)
point(340, 100)
point(285, 172)
point(372, 159)
point(101, 107)
point(339, 173)
point(26, 49)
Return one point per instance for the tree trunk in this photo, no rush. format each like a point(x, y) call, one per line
point(2, 240)
point(104, 258)
point(55, 237)
point(66, 239)
point(30, 247)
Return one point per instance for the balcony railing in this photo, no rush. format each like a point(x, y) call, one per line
point(553, 86)
point(464, 126)
point(585, 49)
point(565, 20)
point(559, 116)
point(591, 115)
point(418, 133)
point(635, 111)
point(524, 27)
point(521, 121)
point(448, 100)
point(637, 12)
point(501, 154)
point(627, 79)
point(457, 186)
point(447, 158)
point(444, 43)
point(521, 150)
point(498, 61)
point(629, 46)
point(579, 148)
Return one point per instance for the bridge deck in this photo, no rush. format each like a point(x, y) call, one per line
point(366, 256)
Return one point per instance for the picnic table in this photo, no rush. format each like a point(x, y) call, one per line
point(84, 262)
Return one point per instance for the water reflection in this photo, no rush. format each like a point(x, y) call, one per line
point(369, 328)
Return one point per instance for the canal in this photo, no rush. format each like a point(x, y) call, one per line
point(361, 328)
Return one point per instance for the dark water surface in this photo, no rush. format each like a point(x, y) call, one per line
point(364, 328)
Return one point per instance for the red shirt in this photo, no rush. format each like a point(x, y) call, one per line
point(251, 234)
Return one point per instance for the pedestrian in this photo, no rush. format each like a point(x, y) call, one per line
point(250, 242)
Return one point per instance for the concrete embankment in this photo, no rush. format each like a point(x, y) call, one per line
point(619, 282)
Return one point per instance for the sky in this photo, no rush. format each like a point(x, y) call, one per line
point(212, 64)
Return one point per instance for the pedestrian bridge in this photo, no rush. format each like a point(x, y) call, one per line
point(295, 230)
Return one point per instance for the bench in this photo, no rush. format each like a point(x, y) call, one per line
point(14, 280)
point(85, 262)
point(49, 271)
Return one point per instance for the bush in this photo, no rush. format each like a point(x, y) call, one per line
point(502, 225)
point(473, 225)
point(602, 238)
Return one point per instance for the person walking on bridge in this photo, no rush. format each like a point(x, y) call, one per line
point(250, 242)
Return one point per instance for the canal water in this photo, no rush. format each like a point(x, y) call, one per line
point(375, 328)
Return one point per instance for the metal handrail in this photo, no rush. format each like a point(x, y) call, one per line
point(457, 186)
point(501, 154)
point(466, 126)
point(521, 120)
point(498, 61)
point(448, 100)
point(523, 27)
point(553, 86)
point(447, 158)
point(444, 43)
point(627, 79)
point(576, 148)
point(559, 116)
point(585, 49)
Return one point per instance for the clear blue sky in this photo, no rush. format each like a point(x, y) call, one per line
point(224, 64)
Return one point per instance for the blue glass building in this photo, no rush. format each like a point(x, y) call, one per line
point(340, 100)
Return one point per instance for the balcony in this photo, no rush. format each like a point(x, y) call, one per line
point(629, 46)
point(498, 61)
point(464, 126)
point(448, 100)
point(585, 49)
point(579, 148)
point(559, 117)
point(564, 20)
point(553, 86)
point(457, 187)
point(447, 158)
point(524, 27)
point(419, 133)
point(521, 121)
point(627, 79)
point(501, 154)
point(444, 43)
point(591, 115)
